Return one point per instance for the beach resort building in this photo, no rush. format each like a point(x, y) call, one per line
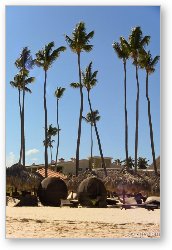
point(69, 167)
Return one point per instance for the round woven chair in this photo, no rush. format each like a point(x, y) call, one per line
point(51, 191)
point(92, 193)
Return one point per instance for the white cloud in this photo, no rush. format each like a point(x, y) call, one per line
point(32, 151)
point(11, 159)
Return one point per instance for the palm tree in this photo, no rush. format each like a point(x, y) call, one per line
point(142, 163)
point(89, 81)
point(24, 63)
point(90, 118)
point(148, 63)
point(18, 83)
point(123, 53)
point(78, 43)
point(136, 45)
point(118, 162)
point(45, 59)
point(130, 162)
point(58, 94)
point(51, 131)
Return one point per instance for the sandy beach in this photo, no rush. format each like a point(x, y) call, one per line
point(56, 222)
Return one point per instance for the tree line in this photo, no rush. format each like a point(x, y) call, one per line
point(79, 42)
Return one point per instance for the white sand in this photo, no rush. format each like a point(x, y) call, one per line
point(51, 222)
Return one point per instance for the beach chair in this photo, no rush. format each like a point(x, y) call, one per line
point(74, 203)
point(149, 204)
point(149, 207)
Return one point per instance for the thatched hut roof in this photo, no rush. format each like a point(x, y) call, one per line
point(130, 182)
point(19, 177)
point(154, 181)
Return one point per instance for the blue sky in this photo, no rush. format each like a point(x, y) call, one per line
point(36, 26)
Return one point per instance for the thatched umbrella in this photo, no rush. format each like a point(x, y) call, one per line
point(19, 177)
point(73, 182)
point(92, 193)
point(154, 181)
point(109, 185)
point(130, 182)
point(51, 191)
point(126, 182)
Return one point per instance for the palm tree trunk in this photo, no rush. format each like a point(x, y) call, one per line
point(137, 120)
point(58, 132)
point(51, 155)
point(23, 130)
point(80, 118)
point(126, 118)
point(97, 135)
point(91, 160)
point(20, 108)
point(45, 110)
point(150, 125)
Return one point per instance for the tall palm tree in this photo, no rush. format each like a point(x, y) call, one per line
point(79, 42)
point(148, 63)
point(58, 94)
point(123, 53)
point(24, 63)
point(89, 81)
point(90, 118)
point(45, 59)
point(136, 45)
point(18, 83)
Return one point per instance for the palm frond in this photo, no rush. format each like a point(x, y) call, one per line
point(94, 75)
point(122, 49)
point(20, 81)
point(88, 78)
point(13, 84)
point(46, 56)
point(75, 85)
point(155, 61)
point(93, 117)
point(90, 35)
point(87, 48)
point(146, 61)
point(80, 39)
point(56, 53)
point(68, 39)
point(29, 80)
point(25, 61)
point(125, 42)
point(59, 92)
point(40, 58)
point(48, 49)
point(145, 41)
point(28, 90)
point(117, 49)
